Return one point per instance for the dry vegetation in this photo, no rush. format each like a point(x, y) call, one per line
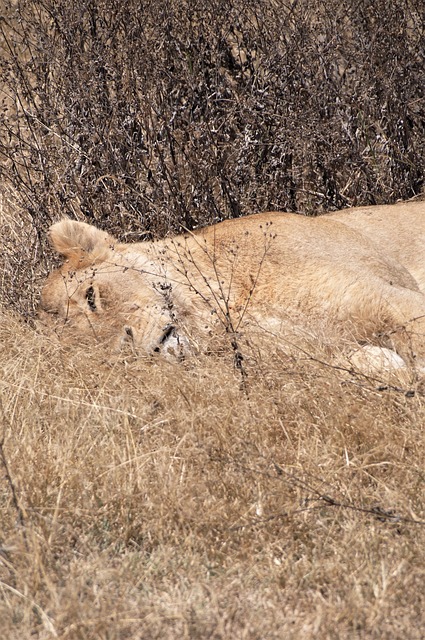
point(144, 499)
point(155, 500)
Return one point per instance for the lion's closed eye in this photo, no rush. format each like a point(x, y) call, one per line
point(91, 299)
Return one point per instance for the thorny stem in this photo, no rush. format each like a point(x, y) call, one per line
point(222, 301)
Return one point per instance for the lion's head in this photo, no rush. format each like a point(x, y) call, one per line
point(105, 293)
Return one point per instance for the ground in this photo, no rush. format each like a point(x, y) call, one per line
point(149, 499)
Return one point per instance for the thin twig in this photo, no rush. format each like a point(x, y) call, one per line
point(12, 486)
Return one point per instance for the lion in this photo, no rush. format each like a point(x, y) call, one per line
point(361, 268)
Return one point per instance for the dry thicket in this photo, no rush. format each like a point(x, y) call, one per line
point(144, 499)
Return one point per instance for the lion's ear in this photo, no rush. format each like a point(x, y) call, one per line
point(77, 240)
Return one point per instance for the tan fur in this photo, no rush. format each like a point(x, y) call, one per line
point(363, 269)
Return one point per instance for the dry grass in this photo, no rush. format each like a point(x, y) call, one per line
point(156, 500)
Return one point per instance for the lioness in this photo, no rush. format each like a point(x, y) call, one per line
point(362, 268)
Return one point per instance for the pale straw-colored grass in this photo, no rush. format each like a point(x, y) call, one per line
point(146, 499)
